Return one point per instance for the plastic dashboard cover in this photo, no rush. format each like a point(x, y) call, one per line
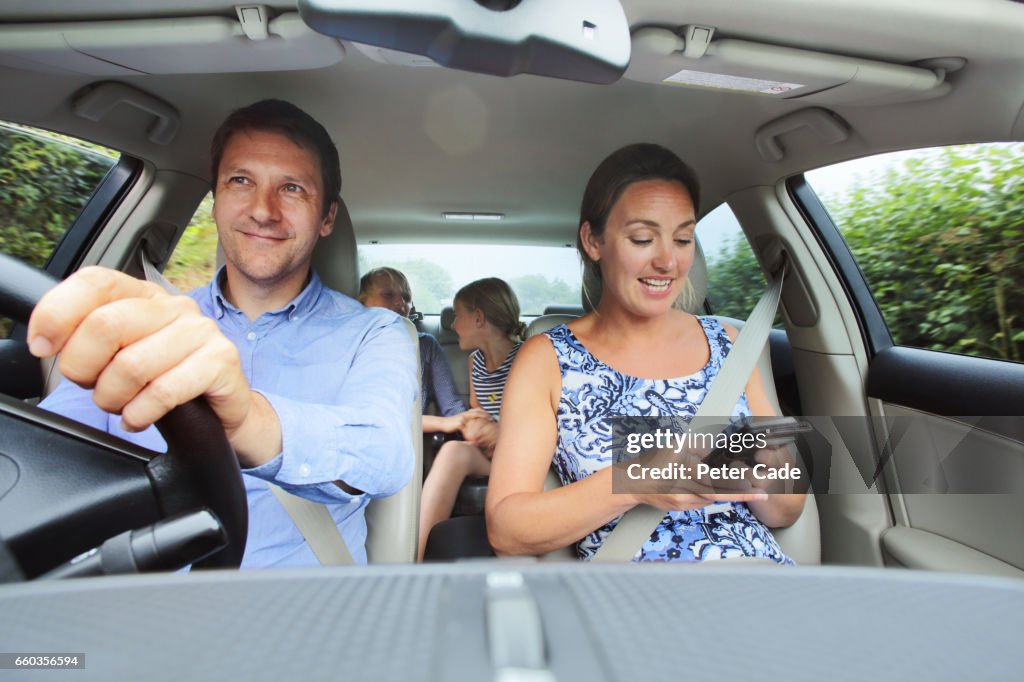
point(486, 620)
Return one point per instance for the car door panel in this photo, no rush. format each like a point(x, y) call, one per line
point(966, 516)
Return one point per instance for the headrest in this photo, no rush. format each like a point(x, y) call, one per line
point(559, 309)
point(698, 276)
point(545, 322)
point(447, 318)
point(334, 257)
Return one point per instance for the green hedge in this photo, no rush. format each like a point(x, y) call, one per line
point(939, 239)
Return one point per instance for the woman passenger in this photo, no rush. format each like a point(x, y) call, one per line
point(635, 354)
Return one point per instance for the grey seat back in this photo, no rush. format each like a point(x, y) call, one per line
point(458, 359)
point(392, 522)
point(541, 324)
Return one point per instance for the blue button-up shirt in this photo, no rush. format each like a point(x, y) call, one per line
point(342, 379)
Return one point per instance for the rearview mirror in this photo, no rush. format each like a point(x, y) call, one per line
point(583, 40)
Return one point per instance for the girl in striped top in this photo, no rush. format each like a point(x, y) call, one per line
point(487, 322)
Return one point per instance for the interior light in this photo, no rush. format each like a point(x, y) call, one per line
point(458, 215)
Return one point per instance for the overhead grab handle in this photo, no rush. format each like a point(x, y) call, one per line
point(255, 21)
point(829, 127)
point(96, 101)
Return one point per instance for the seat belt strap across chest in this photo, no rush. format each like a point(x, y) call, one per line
point(636, 525)
point(316, 525)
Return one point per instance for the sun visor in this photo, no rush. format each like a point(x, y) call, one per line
point(253, 42)
point(696, 57)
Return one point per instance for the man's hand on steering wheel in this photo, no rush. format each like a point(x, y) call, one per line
point(144, 351)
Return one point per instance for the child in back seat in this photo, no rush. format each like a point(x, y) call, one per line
point(386, 287)
point(487, 322)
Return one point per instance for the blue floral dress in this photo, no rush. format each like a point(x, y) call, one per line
point(592, 391)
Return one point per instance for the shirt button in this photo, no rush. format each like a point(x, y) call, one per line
point(251, 336)
point(354, 500)
point(304, 470)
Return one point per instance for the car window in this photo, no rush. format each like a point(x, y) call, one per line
point(938, 234)
point(735, 280)
point(539, 275)
point(195, 256)
point(45, 181)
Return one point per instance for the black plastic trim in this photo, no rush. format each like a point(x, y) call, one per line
point(107, 196)
point(20, 370)
point(63, 492)
point(874, 331)
point(784, 373)
point(947, 384)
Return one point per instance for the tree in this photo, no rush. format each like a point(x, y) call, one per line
point(735, 281)
point(431, 285)
point(45, 180)
point(195, 257)
point(939, 241)
point(44, 183)
point(535, 292)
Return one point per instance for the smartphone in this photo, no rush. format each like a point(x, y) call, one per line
point(761, 430)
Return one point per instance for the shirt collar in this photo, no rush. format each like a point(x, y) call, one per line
point(300, 306)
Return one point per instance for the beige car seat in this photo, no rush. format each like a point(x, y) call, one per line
point(458, 359)
point(392, 522)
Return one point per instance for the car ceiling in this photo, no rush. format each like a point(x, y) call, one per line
point(415, 142)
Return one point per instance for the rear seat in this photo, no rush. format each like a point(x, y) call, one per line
point(458, 359)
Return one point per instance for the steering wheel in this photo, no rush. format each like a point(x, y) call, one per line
point(66, 488)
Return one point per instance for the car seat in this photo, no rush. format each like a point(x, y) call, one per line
point(392, 523)
point(458, 359)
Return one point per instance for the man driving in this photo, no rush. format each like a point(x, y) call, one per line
point(314, 391)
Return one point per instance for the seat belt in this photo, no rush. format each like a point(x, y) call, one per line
point(311, 518)
point(316, 525)
point(636, 525)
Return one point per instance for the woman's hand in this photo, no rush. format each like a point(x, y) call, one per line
point(781, 473)
point(692, 487)
point(688, 501)
point(783, 506)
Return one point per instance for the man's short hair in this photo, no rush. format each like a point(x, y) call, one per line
point(284, 118)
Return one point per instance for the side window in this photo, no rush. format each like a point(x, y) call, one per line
point(194, 260)
point(45, 181)
point(735, 281)
point(939, 236)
